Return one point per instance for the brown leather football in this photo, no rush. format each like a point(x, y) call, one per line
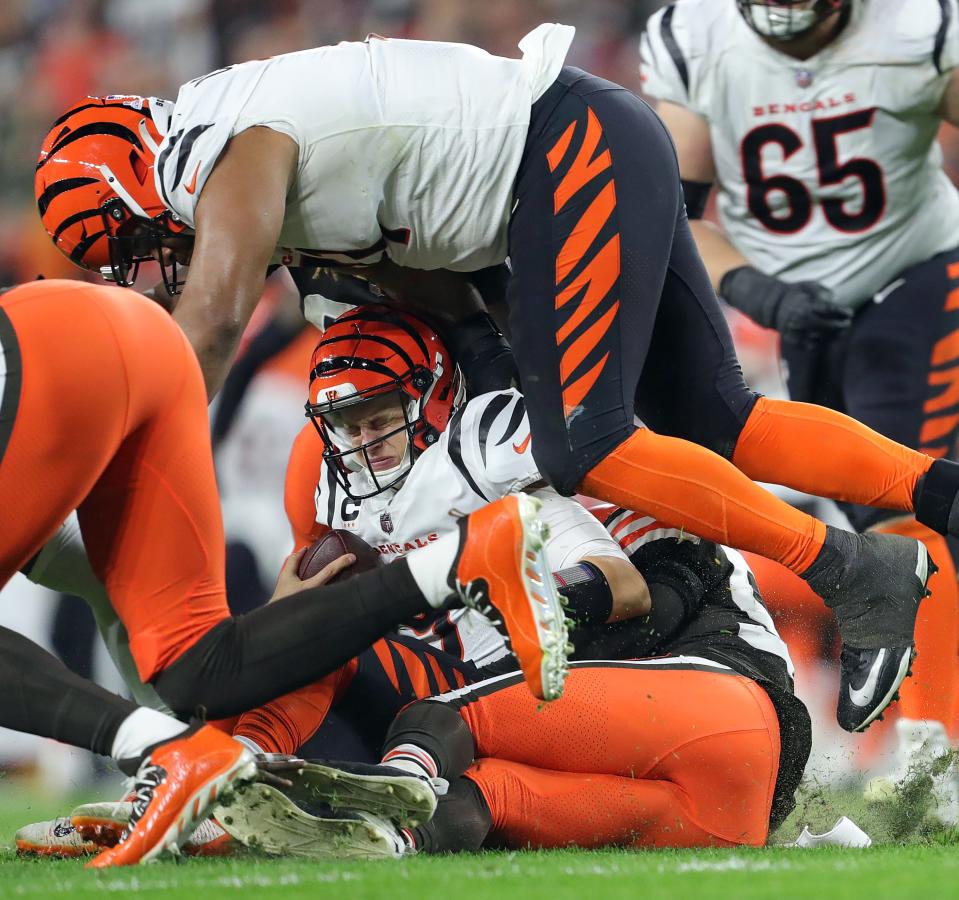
point(332, 546)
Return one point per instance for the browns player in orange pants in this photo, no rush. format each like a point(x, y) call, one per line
point(103, 410)
point(83, 423)
point(657, 753)
point(704, 746)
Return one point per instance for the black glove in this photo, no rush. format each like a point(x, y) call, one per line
point(803, 312)
point(483, 354)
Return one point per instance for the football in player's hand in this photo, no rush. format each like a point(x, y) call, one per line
point(332, 546)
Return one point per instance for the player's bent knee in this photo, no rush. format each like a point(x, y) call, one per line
point(200, 680)
point(440, 730)
point(564, 469)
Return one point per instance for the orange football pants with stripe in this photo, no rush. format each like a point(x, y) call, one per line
point(109, 417)
point(612, 315)
point(633, 754)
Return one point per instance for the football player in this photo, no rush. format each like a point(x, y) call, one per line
point(839, 228)
point(144, 469)
point(702, 746)
point(394, 454)
point(423, 160)
point(393, 466)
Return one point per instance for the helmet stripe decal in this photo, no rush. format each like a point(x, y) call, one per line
point(60, 187)
point(375, 339)
point(80, 250)
point(350, 362)
point(70, 113)
point(72, 220)
point(371, 315)
point(94, 128)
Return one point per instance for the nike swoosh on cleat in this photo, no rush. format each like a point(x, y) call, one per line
point(190, 186)
point(864, 695)
point(521, 448)
point(922, 565)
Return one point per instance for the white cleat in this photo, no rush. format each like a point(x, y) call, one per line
point(56, 837)
point(265, 819)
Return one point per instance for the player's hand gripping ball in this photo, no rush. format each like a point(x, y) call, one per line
point(333, 545)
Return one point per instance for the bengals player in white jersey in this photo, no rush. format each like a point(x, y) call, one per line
point(839, 228)
point(427, 161)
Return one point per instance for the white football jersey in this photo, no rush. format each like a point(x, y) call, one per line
point(828, 169)
point(482, 455)
point(408, 148)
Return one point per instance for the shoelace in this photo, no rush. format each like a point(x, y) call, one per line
point(440, 785)
point(149, 778)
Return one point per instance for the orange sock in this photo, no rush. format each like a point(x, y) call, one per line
point(820, 451)
point(287, 723)
point(693, 488)
point(933, 690)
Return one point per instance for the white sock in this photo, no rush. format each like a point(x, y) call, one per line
point(142, 728)
point(413, 759)
point(430, 567)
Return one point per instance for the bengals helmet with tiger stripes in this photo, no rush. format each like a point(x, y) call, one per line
point(373, 351)
point(95, 187)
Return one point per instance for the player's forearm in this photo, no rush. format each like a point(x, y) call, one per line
point(719, 255)
point(215, 307)
point(214, 335)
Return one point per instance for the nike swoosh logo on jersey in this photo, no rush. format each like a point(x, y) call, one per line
point(190, 187)
point(521, 448)
point(864, 695)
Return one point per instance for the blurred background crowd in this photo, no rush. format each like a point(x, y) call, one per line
point(53, 52)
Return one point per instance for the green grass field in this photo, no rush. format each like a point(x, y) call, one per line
point(929, 866)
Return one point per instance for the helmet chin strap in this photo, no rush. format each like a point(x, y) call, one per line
point(147, 138)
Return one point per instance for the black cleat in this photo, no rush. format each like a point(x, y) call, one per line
point(874, 584)
point(869, 682)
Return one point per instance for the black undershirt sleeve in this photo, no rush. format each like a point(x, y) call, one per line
point(246, 661)
point(696, 194)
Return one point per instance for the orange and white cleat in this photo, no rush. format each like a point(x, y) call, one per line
point(176, 787)
point(56, 837)
point(103, 823)
point(502, 572)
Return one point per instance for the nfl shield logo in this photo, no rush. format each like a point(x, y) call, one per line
point(386, 522)
point(803, 77)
